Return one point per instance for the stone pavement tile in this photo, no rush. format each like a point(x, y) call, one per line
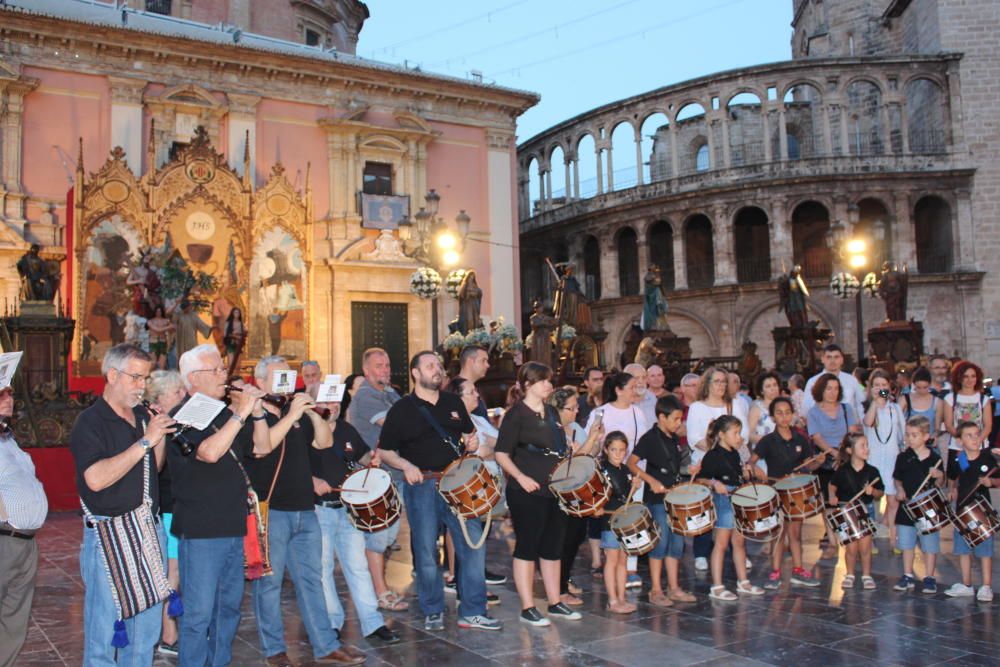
point(898, 647)
point(649, 648)
point(731, 661)
point(731, 629)
point(430, 653)
point(782, 651)
point(972, 660)
point(558, 656)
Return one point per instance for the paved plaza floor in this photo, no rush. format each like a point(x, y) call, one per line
point(793, 626)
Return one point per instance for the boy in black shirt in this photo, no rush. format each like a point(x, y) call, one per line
point(856, 479)
point(786, 450)
point(918, 463)
point(969, 480)
point(659, 447)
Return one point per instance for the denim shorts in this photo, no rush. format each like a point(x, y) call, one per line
point(907, 538)
point(609, 541)
point(962, 548)
point(381, 540)
point(723, 511)
point(670, 544)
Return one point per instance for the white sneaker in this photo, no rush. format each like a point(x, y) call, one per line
point(701, 563)
point(985, 594)
point(960, 590)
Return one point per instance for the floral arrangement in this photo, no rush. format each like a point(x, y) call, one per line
point(480, 337)
point(844, 285)
point(425, 283)
point(506, 337)
point(454, 341)
point(870, 285)
point(567, 333)
point(454, 281)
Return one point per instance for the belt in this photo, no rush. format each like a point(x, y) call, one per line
point(10, 532)
point(331, 504)
point(540, 450)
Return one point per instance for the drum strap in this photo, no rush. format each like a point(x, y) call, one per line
point(440, 431)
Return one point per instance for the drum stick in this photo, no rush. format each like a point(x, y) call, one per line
point(742, 495)
point(974, 489)
point(858, 494)
point(921, 487)
point(808, 461)
point(370, 466)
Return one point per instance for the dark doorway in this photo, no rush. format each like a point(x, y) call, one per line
point(752, 244)
point(381, 325)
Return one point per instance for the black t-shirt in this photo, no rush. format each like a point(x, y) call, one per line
point(621, 488)
point(662, 455)
point(911, 472)
point(210, 499)
point(849, 482)
point(166, 494)
point(98, 434)
point(585, 408)
point(332, 464)
point(522, 433)
point(293, 492)
point(407, 431)
point(722, 465)
point(782, 456)
point(968, 479)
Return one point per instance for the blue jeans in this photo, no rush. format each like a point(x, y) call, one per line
point(293, 540)
point(670, 544)
point(342, 541)
point(907, 538)
point(211, 571)
point(100, 613)
point(426, 510)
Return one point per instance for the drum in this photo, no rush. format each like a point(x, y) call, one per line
point(469, 488)
point(500, 510)
point(689, 506)
point(371, 499)
point(635, 529)
point(850, 522)
point(757, 512)
point(929, 511)
point(580, 486)
point(801, 496)
point(977, 521)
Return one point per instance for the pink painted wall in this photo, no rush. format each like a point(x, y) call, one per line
point(287, 132)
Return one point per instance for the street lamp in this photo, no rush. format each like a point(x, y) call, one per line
point(429, 240)
point(854, 255)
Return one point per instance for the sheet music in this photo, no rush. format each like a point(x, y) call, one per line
point(8, 365)
point(199, 411)
point(284, 382)
point(330, 393)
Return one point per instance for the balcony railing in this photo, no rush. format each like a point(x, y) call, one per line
point(933, 262)
point(928, 141)
point(753, 269)
point(159, 7)
point(816, 265)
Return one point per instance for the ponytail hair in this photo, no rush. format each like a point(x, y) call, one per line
point(719, 426)
point(614, 383)
point(847, 447)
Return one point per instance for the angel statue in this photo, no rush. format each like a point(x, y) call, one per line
point(792, 293)
point(654, 304)
point(893, 285)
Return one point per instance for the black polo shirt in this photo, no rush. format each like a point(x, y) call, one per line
point(662, 455)
point(332, 464)
point(968, 479)
point(533, 443)
point(409, 433)
point(621, 490)
point(782, 456)
point(293, 490)
point(722, 465)
point(210, 499)
point(911, 471)
point(849, 482)
point(99, 433)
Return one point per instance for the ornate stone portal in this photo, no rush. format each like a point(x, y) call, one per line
point(257, 244)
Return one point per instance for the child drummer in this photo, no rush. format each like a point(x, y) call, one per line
point(969, 483)
point(856, 479)
point(623, 485)
point(660, 449)
point(919, 467)
point(785, 451)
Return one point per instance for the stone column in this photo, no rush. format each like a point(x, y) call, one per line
point(548, 186)
point(904, 124)
point(541, 187)
point(884, 134)
point(674, 157)
point(642, 252)
point(782, 134)
point(712, 162)
point(782, 253)
point(504, 296)
point(963, 246)
point(904, 242)
point(600, 178)
point(126, 120)
point(242, 120)
point(827, 131)
point(11, 160)
point(611, 168)
point(765, 118)
point(576, 176)
point(638, 156)
point(610, 288)
point(845, 148)
point(566, 174)
point(680, 261)
point(722, 247)
point(726, 148)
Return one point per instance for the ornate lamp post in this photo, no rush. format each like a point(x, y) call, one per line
point(854, 256)
point(429, 240)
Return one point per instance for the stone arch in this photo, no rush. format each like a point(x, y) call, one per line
point(699, 252)
point(872, 209)
point(692, 130)
point(810, 249)
point(627, 243)
point(660, 241)
point(586, 165)
point(655, 134)
point(751, 245)
point(926, 114)
point(696, 107)
point(933, 222)
point(803, 84)
point(866, 134)
point(757, 324)
point(684, 322)
point(622, 156)
point(745, 128)
point(745, 90)
point(558, 170)
point(534, 185)
point(803, 104)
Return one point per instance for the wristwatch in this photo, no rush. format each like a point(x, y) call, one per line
point(145, 444)
point(238, 418)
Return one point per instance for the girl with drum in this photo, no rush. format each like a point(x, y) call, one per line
point(724, 471)
point(565, 400)
point(785, 451)
point(623, 485)
point(856, 479)
point(884, 426)
point(528, 447)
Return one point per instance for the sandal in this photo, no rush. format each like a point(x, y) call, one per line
point(867, 583)
point(621, 608)
point(848, 582)
point(573, 588)
point(657, 598)
point(570, 599)
point(597, 572)
point(681, 595)
point(747, 588)
point(720, 593)
point(389, 601)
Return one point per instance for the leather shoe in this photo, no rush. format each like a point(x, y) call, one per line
point(280, 660)
point(341, 657)
point(384, 635)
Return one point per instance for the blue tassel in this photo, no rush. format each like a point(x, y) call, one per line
point(175, 607)
point(120, 638)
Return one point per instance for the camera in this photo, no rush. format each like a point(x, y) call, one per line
point(884, 393)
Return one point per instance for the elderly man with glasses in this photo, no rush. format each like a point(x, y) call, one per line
point(110, 444)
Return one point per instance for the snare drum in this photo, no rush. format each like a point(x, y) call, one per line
point(580, 486)
point(929, 511)
point(689, 506)
point(850, 522)
point(371, 499)
point(801, 496)
point(469, 488)
point(977, 522)
point(756, 512)
point(635, 529)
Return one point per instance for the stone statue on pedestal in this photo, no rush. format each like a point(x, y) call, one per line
point(654, 304)
point(39, 278)
point(792, 294)
point(893, 285)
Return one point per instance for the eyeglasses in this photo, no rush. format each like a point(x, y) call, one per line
point(571, 408)
point(218, 370)
point(135, 377)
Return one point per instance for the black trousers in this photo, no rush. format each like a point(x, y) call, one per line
point(576, 533)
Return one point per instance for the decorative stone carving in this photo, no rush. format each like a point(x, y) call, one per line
point(388, 248)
